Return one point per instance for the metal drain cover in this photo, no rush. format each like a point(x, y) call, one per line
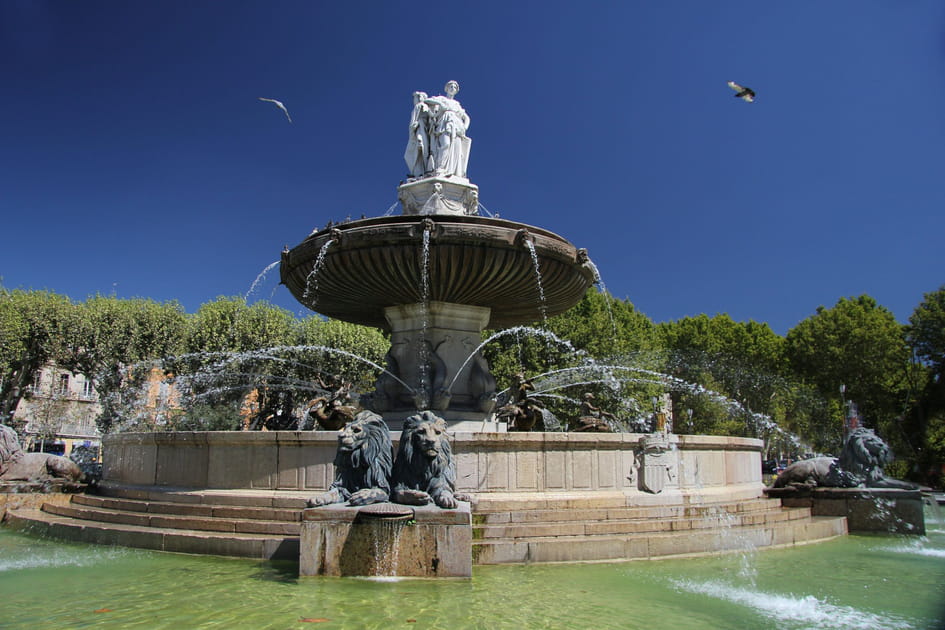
point(386, 511)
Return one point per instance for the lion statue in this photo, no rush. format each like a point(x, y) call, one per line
point(362, 463)
point(424, 470)
point(18, 465)
point(860, 465)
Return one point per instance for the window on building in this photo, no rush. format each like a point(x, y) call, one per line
point(63, 383)
point(37, 381)
point(87, 389)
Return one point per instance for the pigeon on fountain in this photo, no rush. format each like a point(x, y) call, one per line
point(744, 93)
point(277, 104)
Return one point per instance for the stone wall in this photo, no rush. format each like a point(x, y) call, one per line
point(486, 462)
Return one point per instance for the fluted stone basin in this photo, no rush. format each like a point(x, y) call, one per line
point(377, 263)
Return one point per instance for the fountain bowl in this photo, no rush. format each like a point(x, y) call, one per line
point(377, 263)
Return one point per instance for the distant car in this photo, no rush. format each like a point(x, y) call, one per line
point(769, 466)
point(784, 463)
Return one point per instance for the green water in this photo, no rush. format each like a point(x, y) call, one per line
point(855, 582)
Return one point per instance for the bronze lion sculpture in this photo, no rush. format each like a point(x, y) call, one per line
point(362, 463)
point(18, 465)
point(424, 470)
point(860, 465)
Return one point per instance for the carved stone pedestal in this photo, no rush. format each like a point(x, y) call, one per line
point(434, 358)
point(337, 540)
point(439, 195)
point(885, 510)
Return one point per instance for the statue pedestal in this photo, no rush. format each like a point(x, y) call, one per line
point(884, 510)
point(433, 352)
point(439, 195)
point(336, 540)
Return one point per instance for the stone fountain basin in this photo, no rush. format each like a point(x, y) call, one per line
point(376, 263)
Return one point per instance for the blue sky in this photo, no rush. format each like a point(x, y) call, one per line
point(137, 161)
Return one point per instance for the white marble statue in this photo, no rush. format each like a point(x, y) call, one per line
point(418, 156)
point(437, 144)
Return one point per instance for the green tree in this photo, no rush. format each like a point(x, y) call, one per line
point(742, 361)
point(599, 329)
point(605, 327)
point(116, 343)
point(228, 360)
point(228, 324)
point(926, 332)
point(859, 344)
point(926, 420)
point(35, 327)
point(328, 344)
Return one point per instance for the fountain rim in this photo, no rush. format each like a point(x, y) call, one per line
point(572, 271)
point(436, 219)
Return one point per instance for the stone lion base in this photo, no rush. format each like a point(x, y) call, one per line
point(336, 541)
point(16, 495)
point(867, 509)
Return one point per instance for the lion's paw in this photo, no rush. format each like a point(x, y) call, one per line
point(326, 498)
point(412, 497)
point(446, 501)
point(367, 496)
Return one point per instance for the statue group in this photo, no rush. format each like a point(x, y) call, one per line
point(437, 144)
point(366, 472)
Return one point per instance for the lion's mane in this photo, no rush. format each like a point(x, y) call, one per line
point(860, 464)
point(864, 455)
point(417, 472)
point(363, 463)
point(369, 465)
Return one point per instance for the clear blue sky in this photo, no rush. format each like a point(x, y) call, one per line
point(136, 160)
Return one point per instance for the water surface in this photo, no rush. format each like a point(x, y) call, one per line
point(870, 582)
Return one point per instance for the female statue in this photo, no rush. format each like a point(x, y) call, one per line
point(449, 122)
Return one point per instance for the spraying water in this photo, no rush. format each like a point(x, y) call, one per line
point(311, 281)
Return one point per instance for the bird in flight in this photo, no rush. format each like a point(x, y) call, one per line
point(279, 105)
point(744, 93)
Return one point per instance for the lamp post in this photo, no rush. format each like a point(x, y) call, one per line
point(843, 409)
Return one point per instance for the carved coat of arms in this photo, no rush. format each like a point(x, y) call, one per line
point(654, 462)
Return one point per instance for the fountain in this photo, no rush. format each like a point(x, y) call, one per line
point(435, 277)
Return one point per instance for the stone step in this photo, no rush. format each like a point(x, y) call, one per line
point(485, 515)
point(166, 521)
point(591, 527)
point(246, 545)
point(288, 499)
point(592, 500)
point(266, 524)
point(656, 545)
point(189, 509)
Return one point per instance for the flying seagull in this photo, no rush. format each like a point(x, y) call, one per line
point(279, 105)
point(744, 93)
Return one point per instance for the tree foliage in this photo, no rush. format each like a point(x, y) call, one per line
point(926, 419)
point(35, 327)
point(858, 344)
point(599, 330)
point(926, 330)
point(741, 361)
point(232, 364)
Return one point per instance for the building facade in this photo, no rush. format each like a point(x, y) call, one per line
point(59, 412)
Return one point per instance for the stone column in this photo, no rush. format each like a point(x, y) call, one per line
point(433, 351)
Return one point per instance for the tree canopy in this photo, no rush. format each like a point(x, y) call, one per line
point(235, 364)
